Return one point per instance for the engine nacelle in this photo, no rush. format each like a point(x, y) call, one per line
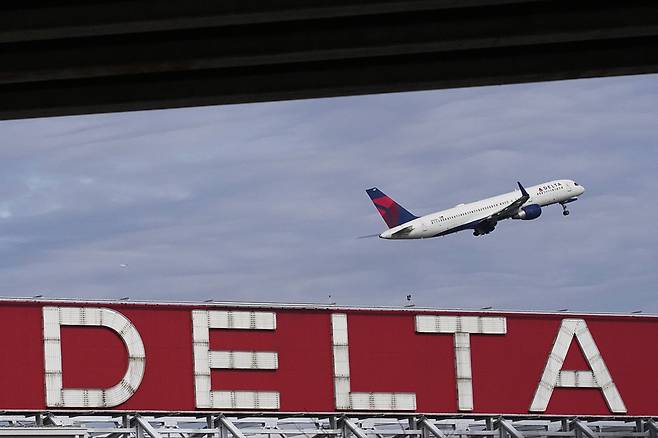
point(529, 212)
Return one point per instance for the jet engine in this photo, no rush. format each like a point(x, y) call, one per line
point(529, 212)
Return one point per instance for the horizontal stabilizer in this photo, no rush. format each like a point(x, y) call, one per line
point(403, 231)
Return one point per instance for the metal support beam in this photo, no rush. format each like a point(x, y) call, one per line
point(506, 427)
point(356, 430)
point(427, 425)
point(46, 432)
point(145, 426)
point(228, 424)
point(317, 425)
point(126, 424)
point(333, 424)
point(213, 430)
point(583, 429)
point(50, 420)
point(639, 426)
point(210, 421)
point(222, 432)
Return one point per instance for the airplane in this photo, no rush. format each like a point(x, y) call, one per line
point(479, 216)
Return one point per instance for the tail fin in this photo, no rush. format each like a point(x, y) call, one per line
point(393, 213)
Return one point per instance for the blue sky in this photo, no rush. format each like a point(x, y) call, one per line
point(263, 202)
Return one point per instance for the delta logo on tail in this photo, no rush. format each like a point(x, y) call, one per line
point(392, 212)
point(481, 216)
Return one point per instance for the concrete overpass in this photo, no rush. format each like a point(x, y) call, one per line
point(87, 56)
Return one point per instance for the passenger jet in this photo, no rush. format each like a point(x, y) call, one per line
point(480, 216)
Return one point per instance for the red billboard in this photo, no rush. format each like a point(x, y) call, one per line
point(187, 357)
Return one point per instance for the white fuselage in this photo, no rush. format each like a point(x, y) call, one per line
point(461, 216)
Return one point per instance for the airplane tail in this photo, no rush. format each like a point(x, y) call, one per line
point(393, 213)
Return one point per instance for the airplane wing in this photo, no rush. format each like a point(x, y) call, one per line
point(511, 209)
point(487, 224)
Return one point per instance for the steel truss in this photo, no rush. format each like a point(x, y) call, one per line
point(107, 425)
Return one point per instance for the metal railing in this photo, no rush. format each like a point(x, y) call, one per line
point(317, 426)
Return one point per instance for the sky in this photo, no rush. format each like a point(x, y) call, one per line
point(264, 202)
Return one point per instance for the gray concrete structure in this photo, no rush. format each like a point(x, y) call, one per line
point(77, 57)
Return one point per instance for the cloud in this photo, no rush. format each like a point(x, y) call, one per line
point(264, 202)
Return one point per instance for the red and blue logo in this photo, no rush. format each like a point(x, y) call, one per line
point(392, 212)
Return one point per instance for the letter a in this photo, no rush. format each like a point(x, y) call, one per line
point(555, 377)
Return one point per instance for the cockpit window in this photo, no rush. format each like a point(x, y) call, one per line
point(575, 183)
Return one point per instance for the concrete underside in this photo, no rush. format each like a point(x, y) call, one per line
point(79, 57)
